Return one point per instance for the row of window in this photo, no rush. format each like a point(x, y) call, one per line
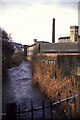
point(64, 40)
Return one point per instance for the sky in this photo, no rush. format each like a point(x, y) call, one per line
point(26, 20)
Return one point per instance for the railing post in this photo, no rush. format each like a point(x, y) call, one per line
point(43, 109)
point(11, 111)
point(55, 74)
point(75, 104)
point(59, 101)
point(18, 112)
point(68, 109)
point(52, 73)
point(51, 107)
point(79, 96)
point(32, 109)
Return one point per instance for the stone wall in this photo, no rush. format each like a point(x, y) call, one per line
point(54, 55)
point(69, 63)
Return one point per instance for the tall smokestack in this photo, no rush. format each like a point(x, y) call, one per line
point(53, 31)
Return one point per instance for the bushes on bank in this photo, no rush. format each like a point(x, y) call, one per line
point(9, 57)
point(16, 59)
point(7, 51)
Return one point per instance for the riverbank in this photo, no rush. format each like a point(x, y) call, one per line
point(15, 60)
point(51, 81)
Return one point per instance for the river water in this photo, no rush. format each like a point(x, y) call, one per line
point(18, 88)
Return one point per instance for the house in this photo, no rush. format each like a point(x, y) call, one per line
point(32, 50)
point(18, 47)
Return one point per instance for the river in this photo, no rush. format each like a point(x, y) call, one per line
point(18, 88)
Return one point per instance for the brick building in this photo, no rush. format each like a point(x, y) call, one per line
point(74, 35)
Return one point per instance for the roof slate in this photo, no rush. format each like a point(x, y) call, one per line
point(64, 37)
point(68, 37)
point(59, 47)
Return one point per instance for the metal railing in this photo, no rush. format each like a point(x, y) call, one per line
point(18, 113)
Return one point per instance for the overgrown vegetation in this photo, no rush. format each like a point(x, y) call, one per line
point(16, 59)
point(7, 51)
point(51, 81)
point(9, 57)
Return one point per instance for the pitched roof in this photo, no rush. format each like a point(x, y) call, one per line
point(59, 47)
point(36, 43)
point(64, 37)
point(14, 43)
point(67, 37)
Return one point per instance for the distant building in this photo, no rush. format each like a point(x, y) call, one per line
point(66, 52)
point(67, 55)
point(74, 35)
point(25, 50)
point(34, 49)
point(55, 49)
point(30, 50)
point(18, 47)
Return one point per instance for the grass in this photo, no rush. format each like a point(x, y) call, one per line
point(44, 77)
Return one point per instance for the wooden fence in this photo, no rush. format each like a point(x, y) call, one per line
point(12, 113)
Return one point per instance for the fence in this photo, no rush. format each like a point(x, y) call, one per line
point(13, 114)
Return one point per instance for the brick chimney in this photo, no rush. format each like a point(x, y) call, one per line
point(53, 31)
point(34, 41)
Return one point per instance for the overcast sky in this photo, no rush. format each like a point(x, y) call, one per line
point(27, 19)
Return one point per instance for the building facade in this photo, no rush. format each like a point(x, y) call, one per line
point(74, 35)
